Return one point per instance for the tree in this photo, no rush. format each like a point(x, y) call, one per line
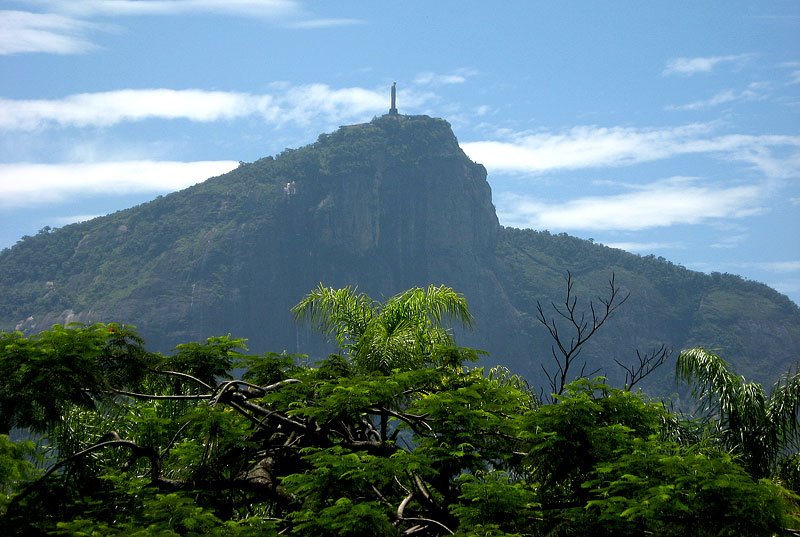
point(431, 447)
point(326, 450)
point(41, 375)
point(757, 427)
point(405, 332)
point(606, 463)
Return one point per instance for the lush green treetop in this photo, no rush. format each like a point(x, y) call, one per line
point(129, 442)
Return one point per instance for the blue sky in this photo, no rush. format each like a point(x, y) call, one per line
point(671, 129)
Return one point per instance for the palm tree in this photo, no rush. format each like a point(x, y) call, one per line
point(404, 332)
point(759, 428)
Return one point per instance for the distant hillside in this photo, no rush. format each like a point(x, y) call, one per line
point(385, 205)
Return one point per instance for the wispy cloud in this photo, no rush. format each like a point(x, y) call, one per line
point(313, 24)
point(62, 26)
point(794, 73)
point(659, 204)
point(290, 104)
point(122, 8)
point(594, 147)
point(21, 31)
point(703, 64)
point(731, 241)
point(723, 97)
point(73, 218)
point(26, 185)
point(459, 76)
point(645, 246)
point(773, 267)
point(781, 266)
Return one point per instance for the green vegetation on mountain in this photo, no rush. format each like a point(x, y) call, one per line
point(139, 443)
point(382, 206)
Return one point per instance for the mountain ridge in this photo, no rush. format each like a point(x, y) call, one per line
point(384, 205)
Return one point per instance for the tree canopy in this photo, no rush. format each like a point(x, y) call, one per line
point(111, 439)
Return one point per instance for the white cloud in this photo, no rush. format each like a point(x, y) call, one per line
point(21, 31)
point(723, 97)
point(581, 147)
point(691, 66)
point(62, 27)
point(109, 108)
point(592, 147)
point(292, 104)
point(776, 267)
point(459, 76)
point(644, 246)
point(781, 266)
point(731, 241)
point(26, 185)
point(73, 219)
point(659, 204)
point(303, 103)
point(313, 24)
point(117, 8)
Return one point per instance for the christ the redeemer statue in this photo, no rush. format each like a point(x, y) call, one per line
point(393, 109)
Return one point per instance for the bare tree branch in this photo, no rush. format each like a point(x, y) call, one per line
point(580, 324)
point(645, 364)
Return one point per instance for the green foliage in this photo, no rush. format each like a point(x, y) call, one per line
point(430, 447)
point(148, 513)
point(271, 367)
point(42, 375)
point(664, 489)
point(756, 427)
point(405, 332)
point(16, 467)
point(492, 499)
point(590, 423)
point(208, 361)
point(344, 518)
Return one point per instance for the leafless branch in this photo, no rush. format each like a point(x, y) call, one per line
point(645, 364)
point(580, 325)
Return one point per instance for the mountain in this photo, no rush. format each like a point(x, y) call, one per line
point(385, 205)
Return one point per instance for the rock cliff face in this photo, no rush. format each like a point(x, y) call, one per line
point(384, 206)
point(405, 194)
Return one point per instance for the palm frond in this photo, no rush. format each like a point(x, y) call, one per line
point(343, 313)
point(401, 333)
point(784, 405)
point(755, 427)
point(436, 303)
point(709, 378)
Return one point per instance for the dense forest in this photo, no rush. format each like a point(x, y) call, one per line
point(397, 433)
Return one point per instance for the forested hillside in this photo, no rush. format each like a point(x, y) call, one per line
point(384, 206)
